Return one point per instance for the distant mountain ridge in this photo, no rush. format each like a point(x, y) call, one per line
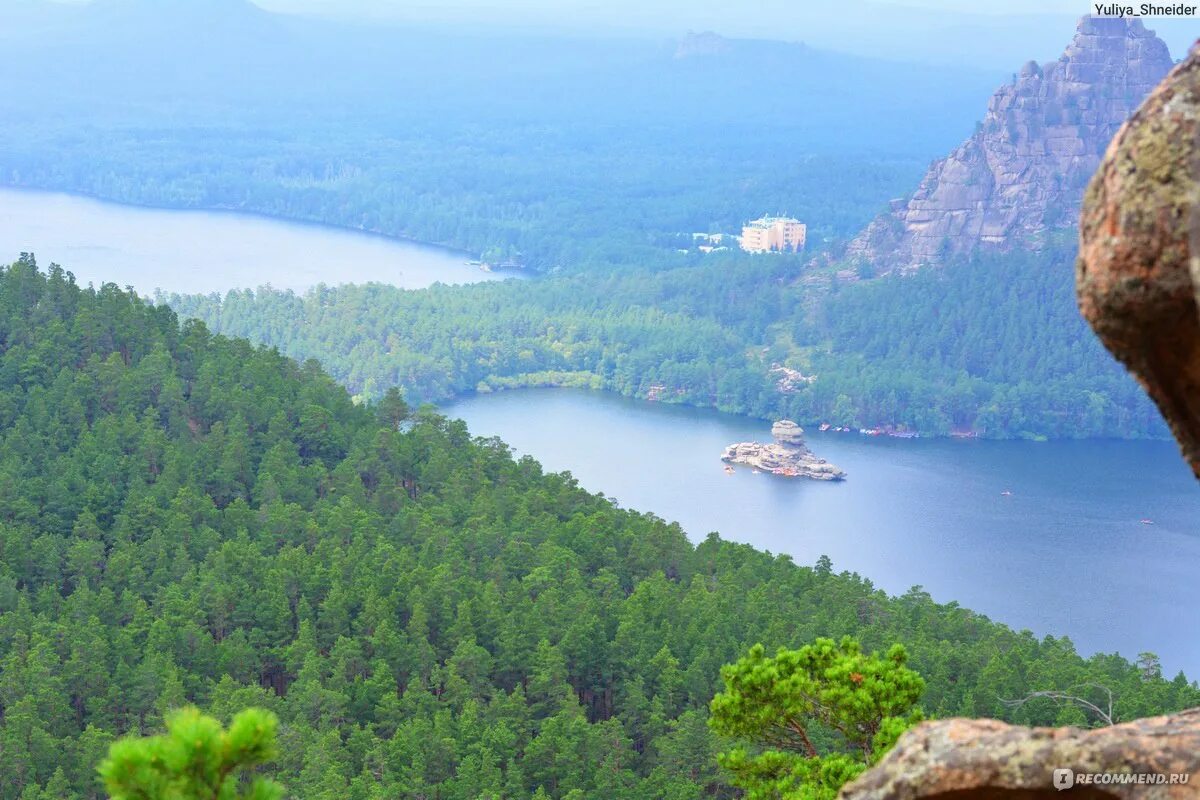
point(1021, 175)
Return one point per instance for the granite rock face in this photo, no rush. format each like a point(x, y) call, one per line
point(983, 758)
point(1138, 274)
point(788, 455)
point(1023, 172)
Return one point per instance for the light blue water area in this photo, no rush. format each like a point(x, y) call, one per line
point(1065, 553)
point(207, 251)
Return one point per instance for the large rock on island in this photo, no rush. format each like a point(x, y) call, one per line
point(787, 456)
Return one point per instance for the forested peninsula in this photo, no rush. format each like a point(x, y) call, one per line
point(988, 345)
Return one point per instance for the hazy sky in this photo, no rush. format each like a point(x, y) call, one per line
point(618, 7)
point(992, 35)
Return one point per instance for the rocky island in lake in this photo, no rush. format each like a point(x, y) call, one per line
point(788, 456)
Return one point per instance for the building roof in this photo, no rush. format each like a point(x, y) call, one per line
point(766, 222)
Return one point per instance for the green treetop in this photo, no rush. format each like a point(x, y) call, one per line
point(818, 716)
point(194, 760)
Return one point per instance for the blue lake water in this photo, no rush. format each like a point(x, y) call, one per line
point(210, 251)
point(1065, 553)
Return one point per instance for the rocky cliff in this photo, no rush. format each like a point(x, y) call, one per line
point(1023, 172)
point(1138, 276)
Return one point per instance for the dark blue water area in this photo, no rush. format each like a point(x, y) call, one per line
point(1065, 553)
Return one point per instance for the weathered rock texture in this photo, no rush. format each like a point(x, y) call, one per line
point(965, 759)
point(1138, 275)
point(1023, 172)
point(788, 456)
point(787, 432)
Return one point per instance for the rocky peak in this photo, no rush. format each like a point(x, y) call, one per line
point(1023, 172)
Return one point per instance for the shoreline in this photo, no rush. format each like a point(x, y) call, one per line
point(814, 429)
point(238, 212)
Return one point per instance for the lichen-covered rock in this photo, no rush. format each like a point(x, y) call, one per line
point(1023, 172)
point(1138, 274)
point(983, 758)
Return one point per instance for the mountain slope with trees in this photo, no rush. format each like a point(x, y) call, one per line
point(187, 518)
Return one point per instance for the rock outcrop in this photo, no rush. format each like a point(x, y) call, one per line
point(788, 433)
point(1023, 172)
point(983, 758)
point(1138, 274)
point(788, 455)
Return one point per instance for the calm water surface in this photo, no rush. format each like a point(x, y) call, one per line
point(1066, 553)
point(206, 251)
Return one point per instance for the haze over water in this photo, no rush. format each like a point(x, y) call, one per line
point(206, 251)
point(1066, 553)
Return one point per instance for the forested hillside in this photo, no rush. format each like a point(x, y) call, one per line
point(993, 345)
point(185, 517)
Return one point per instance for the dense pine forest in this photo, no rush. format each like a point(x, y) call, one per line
point(993, 345)
point(189, 518)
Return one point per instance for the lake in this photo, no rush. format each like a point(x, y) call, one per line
point(210, 251)
point(1065, 553)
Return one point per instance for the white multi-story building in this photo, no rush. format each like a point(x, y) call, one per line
point(774, 235)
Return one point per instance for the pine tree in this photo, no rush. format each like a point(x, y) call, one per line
point(195, 760)
point(789, 705)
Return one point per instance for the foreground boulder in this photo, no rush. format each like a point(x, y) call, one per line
point(1138, 272)
point(981, 758)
